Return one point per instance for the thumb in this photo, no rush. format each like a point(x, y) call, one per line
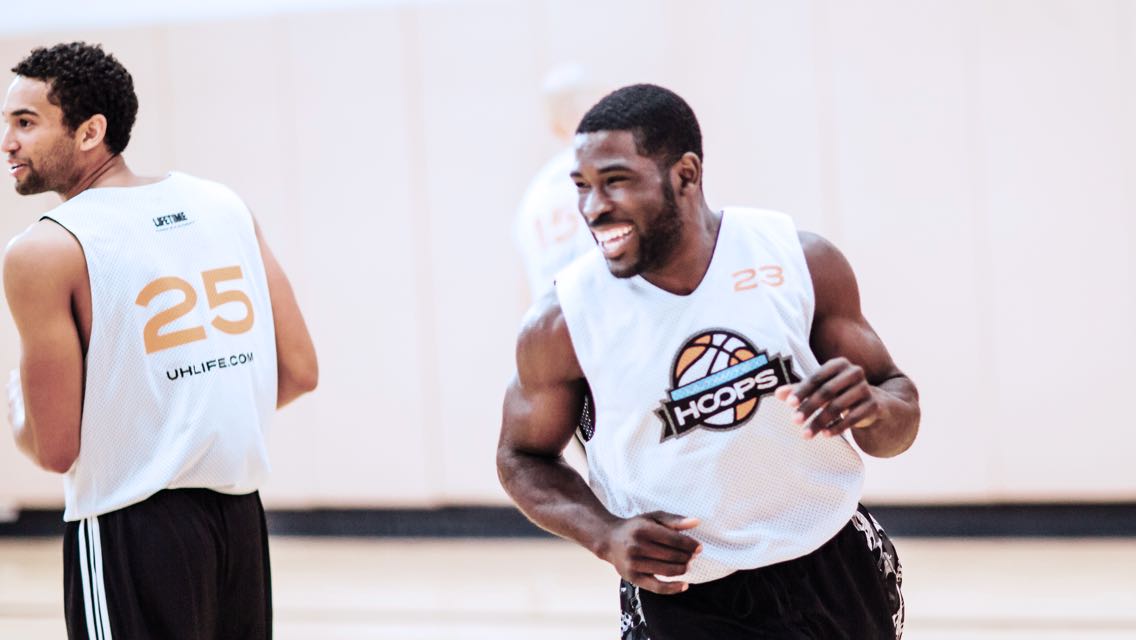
point(674, 521)
point(783, 392)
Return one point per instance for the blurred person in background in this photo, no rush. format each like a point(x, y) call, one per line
point(549, 232)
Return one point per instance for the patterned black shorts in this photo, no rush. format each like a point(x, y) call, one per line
point(849, 588)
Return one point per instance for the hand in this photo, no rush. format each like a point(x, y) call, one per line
point(16, 416)
point(840, 396)
point(648, 547)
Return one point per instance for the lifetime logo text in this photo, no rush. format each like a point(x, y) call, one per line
point(174, 219)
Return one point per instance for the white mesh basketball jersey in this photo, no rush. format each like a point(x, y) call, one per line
point(181, 365)
point(685, 420)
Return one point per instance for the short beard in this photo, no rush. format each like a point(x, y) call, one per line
point(58, 163)
point(32, 184)
point(658, 243)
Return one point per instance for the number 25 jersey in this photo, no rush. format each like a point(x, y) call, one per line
point(180, 377)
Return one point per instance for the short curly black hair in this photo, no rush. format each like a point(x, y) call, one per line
point(662, 123)
point(84, 80)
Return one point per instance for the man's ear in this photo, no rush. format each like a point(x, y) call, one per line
point(689, 171)
point(90, 134)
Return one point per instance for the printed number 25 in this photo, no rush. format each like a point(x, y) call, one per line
point(156, 341)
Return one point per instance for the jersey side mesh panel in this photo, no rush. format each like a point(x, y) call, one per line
point(587, 422)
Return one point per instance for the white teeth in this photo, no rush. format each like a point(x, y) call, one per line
point(608, 235)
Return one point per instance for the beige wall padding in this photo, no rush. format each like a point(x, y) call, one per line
point(974, 159)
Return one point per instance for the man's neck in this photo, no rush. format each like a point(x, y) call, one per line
point(109, 172)
point(691, 260)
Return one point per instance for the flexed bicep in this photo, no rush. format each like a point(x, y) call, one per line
point(544, 399)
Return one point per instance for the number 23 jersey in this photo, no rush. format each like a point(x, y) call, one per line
point(181, 365)
point(685, 418)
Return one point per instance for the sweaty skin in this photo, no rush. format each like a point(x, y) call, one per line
point(622, 194)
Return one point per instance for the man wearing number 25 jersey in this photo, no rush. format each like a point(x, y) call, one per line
point(158, 334)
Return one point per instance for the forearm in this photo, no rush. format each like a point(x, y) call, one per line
point(554, 496)
point(288, 388)
point(898, 423)
point(297, 369)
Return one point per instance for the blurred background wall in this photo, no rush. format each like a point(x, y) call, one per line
point(975, 159)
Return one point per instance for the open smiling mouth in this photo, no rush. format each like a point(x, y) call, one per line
point(613, 239)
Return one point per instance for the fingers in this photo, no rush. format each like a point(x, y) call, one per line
point(662, 553)
point(803, 390)
point(684, 524)
point(659, 568)
point(825, 385)
point(645, 546)
point(649, 566)
point(667, 532)
point(652, 548)
point(836, 397)
point(672, 521)
point(863, 415)
point(662, 587)
point(657, 549)
point(16, 414)
point(832, 417)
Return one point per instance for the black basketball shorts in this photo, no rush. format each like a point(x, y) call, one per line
point(847, 589)
point(184, 564)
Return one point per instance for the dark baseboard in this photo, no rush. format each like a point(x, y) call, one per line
point(1009, 520)
point(997, 520)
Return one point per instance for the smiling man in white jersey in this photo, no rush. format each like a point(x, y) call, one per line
point(730, 370)
point(158, 334)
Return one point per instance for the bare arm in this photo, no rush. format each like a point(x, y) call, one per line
point(858, 384)
point(42, 268)
point(541, 410)
point(297, 367)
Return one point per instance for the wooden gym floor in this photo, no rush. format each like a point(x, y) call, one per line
point(416, 589)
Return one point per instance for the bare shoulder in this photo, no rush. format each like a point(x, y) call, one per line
point(44, 256)
point(821, 254)
point(834, 282)
point(544, 346)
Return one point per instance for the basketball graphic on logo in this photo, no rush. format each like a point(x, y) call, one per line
point(707, 354)
point(717, 382)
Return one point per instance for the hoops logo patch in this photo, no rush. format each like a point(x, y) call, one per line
point(717, 380)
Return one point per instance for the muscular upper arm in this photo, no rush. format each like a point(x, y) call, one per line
point(544, 399)
point(839, 327)
point(42, 269)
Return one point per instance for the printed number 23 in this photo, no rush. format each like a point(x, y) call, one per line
point(156, 341)
point(769, 274)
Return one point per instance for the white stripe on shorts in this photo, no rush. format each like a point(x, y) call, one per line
point(94, 587)
point(85, 571)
